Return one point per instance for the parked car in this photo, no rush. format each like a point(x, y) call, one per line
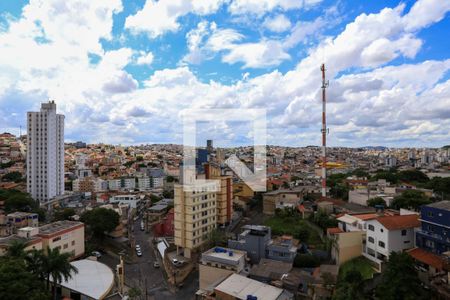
point(156, 264)
point(138, 247)
point(96, 254)
point(139, 252)
point(175, 261)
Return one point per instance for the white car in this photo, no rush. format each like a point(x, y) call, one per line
point(96, 254)
point(139, 252)
point(138, 247)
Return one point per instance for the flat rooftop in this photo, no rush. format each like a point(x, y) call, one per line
point(56, 227)
point(222, 255)
point(240, 287)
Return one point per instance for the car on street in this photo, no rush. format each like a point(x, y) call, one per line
point(139, 252)
point(138, 247)
point(156, 264)
point(96, 254)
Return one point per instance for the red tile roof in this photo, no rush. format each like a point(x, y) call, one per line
point(427, 258)
point(399, 222)
point(334, 230)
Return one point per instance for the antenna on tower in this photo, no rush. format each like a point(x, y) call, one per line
point(324, 132)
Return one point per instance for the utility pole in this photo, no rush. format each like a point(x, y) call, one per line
point(324, 133)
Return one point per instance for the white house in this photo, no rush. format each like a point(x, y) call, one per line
point(387, 234)
point(131, 200)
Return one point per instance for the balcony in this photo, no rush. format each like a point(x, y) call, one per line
point(433, 236)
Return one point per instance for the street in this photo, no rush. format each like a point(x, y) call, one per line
point(140, 273)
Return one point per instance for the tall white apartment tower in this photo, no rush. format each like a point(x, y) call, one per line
point(45, 153)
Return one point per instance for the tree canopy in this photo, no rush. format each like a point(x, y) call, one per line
point(12, 176)
point(410, 199)
point(100, 220)
point(64, 214)
point(400, 279)
point(376, 201)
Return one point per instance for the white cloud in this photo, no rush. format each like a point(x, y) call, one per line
point(159, 17)
point(278, 23)
point(426, 12)
point(260, 7)
point(144, 58)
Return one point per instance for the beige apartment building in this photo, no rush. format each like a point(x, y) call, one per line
point(224, 195)
point(195, 216)
point(68, 236)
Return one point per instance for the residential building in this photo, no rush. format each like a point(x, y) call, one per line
point(389, 234)
point(284, 198)
point(434, 232)
point(218, 263)
point(132, 200)
point(45, 154)
point(240, 287)
point(195, 216)
point(128, 183)
point(257, 241)
point(114, 184)
point(224, 197)
point(22, 219)
point(68, 236)
point(268, 270)
point(346, 245)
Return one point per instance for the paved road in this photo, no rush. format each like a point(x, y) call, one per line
point(142, 274)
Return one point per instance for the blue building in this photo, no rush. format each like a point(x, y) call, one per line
point(434, 233)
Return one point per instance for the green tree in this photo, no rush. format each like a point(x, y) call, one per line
point(16, 249)
point(17, 283)
point(376, 201)
point(390, 176)
point(100, 220)
point(400, 279)
point(56, 265)
point(303, 234)
point(410, 199)
point(306, 261)
point(64, 214)
point(12, 176)
point(360, 173)
point(440, 186)
point(412, 176)
point(350, 287)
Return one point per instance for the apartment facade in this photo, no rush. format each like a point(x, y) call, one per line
point(195, 216)
point(45, 153)
point(68, 236)
point(217, 264)
point(434, 232)
point(389, 234)
point(224, 195)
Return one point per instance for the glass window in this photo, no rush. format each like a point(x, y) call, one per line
point(371, 228)
point(371, 240)
point(381, 244)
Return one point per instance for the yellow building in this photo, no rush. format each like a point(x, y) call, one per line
point(224, 195)
point(195, 216)
point(68, 236)
point(345, 245)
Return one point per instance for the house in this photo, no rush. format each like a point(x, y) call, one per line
point(22, 219)
point(257, 241)
point(284, 198)
point(389, 234)
point(269, 270)
point(218, 263)
point(166, 226)
point(66, 235)
point(434, 232)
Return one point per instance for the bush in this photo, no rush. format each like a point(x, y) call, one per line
point(306, 261)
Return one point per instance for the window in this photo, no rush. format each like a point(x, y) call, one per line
point(371, 228)
point(430, 214)
point(404, 232)
point(381, 229)
point(65, 246)
point(371, 240)
point(56, 239)
point(429, 244)
point(73, 243)
point(381, 244)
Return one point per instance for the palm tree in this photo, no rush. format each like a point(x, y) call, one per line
point(16, 249)
point(35, 260)
point(57, 266)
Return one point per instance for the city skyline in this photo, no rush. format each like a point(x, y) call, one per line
point(121, 77)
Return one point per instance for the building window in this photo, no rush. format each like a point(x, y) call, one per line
point(371, 228)
point(56, 239)
point(430, 214)
point(429, 244)
point(371, 240)
point(73, 243)
point(66, 246)
point(381, 229)
point(404, 232)
point(381, 244)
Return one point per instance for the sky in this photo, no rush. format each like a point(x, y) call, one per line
point(123, 72)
